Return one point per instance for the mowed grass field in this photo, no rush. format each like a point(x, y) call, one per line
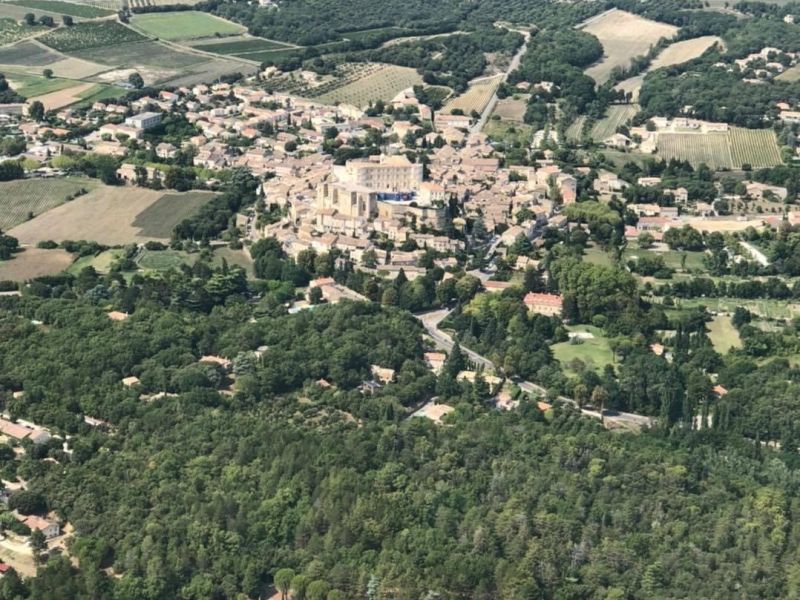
point(595, 352)
point(20, 198)
point(476, 97)
point(722, 150)
point(34, 262)
point(241, 45)
point(383, 83)
point(112, 215)
point(623, 36)
point(183, 25)
point(72, 9)
point(723, 334)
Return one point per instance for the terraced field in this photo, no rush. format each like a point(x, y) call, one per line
point(183, 25)
point(476, 97)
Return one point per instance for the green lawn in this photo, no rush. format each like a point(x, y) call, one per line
point(164, 260)
point(594, 352)
point(184, 25)
point(234, 257)
point(101, 262)
point(597, 256)
point(723, 334)
point(672, 258)
point(31, 86)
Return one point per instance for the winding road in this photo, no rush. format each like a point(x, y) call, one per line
point(430, 321)
point(512, 66)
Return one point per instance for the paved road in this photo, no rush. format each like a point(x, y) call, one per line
point(430, 320)
point(512, 66)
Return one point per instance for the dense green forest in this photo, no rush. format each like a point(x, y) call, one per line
point(203, 495)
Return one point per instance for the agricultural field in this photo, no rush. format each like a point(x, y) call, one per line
point(183, 25)
point(512, 108)
point(617, 115)
point(756, 147)
point(11, 31)
point(576, 128)
point(100, 34)
point(32, 86)
point(98, 93)
point(158, 219)
point(28, 54)
point(72, 9)
point(713, 149)
point(790, 74)
point(623, 36)
point(34, 262)
point(23, 198)
point(476, 98)
point(722, 150)
point(65, 97)
point(723, 334)
point(148, 53)
point(674, 54)
point(378, 82)
point(112, 215)
point(239, 258)
point(17, 13)
point(241, 45)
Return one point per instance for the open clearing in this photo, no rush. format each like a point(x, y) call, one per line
point(100, 262)
point(34, 262)
point(674, 54)
point(65, 97)
point(723, 334)
point(111, 215)
point(623, 36)
point(476, 97)
point(183, 25)
point(383, 82)
point(722, 150)
point(72, 9)
point(32, 86)
point(595, 352)
point(20, 198)
point(790, 74)
point(512, 108)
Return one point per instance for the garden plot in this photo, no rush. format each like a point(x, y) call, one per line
point(623, 36)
